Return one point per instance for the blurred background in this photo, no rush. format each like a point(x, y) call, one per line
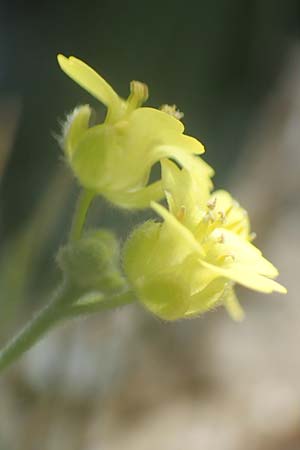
point(125, 380)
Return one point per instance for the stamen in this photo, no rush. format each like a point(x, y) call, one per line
point(220, 239)
point(221, 216)
point(172, 110)
point(229, 257)
point(208, 218)
point(211, 204)
point(181, 213)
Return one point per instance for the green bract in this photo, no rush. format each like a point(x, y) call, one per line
point(115, 158)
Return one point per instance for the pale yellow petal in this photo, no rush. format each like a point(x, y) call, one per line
point(186, 192)
point(243, 252)
point(247, 278)
point(141, 198)
point(189, 143)
point(192, 163)
point(236, 218)
point(89, 80)
point(149, 124)
point(183, 233)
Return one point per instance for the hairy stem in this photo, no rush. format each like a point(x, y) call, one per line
point(98, 303)
point(35, 329)
point(83, 203)
point(68, 301)
point(62, 306)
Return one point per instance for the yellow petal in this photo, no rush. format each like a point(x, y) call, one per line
point(243, 252)
point(186, 193)
point(236, 217)
point(141, 198)
point(149, 124)
point(182, 232)
point(191, 162)
point(89, 80)
point(247, 278)
point(189, 143)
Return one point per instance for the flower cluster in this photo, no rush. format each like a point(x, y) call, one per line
point(190, 262)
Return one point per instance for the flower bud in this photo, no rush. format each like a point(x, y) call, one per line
point(91, 263)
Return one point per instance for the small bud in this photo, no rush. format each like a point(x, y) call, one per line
point(91, 263)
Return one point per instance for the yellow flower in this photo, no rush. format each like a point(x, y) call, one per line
point(115, 158)
point(189, 263)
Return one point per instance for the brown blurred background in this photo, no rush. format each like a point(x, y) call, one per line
point(125, 380)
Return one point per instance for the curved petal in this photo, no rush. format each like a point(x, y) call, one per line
point(89, 80)
point(247, 278)
point(236, 217)
point(138, 199)
point(187, 160)
point(155, 123)
point(186, 192)
point(181, 230)
point(244, 253)
point(189, 143)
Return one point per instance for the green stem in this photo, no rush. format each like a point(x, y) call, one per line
point(99, 303)
point(83, 203)
point(62, 306)
point(66, 301)
point(36, 328)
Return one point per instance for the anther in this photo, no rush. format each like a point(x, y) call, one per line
point(172, 110)
point(221, 216)
point(211, 204)
point(229, 257)
point(220, 238)
point(181, 213)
